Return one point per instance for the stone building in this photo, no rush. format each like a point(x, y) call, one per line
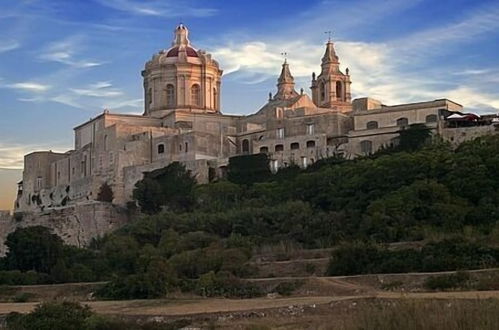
point(182, 122)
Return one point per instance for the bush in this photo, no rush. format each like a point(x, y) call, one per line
point(225, 284)
point(448, 281)
point(51, 316)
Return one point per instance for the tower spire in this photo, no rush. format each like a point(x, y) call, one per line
point(285, 83)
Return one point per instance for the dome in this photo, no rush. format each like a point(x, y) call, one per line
point(173, 52)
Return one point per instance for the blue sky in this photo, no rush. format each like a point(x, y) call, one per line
point(62, 62)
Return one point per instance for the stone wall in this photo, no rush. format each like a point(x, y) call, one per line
point(75, 224)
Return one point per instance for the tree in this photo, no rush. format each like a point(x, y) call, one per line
point(172, 187)
point(248, 169)
point(413, 137)
point(33, 248)
point(105, 193)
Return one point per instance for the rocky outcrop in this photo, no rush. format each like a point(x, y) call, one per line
point(75, 224)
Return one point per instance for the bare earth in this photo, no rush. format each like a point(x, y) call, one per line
point(206, 306)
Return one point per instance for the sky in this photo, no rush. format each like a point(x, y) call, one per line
point(63, 62)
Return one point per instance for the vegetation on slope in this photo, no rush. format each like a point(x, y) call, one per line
point(199, 237)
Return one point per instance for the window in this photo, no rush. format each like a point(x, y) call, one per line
point(310, 144)
point(402, 121)
point(161, 148)
point(245, 146)
point(279, 113)
point(149, 96)
point(372, 125)
point(186, 147)
point(39, 183)
point(431, 119)
point(264, 150)
point(366, 147)
point(310, 129)
point(195, 95)
point(295, 146)
point(280, 133)
point(279, 148)
point(105, 142)
point(170, 95)
point(322, 91)
point(215, 98)
point(339, 91)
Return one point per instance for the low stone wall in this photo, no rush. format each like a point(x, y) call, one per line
point(75, 224)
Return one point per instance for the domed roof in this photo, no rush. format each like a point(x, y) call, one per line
point(173, 52)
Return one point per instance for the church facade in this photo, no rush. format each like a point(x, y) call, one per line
point(182, 122)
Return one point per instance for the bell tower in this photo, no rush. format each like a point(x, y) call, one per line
point(331, 89)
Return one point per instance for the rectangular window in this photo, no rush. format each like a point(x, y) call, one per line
point(310, 129)
point(280, 133)
point(39, 183)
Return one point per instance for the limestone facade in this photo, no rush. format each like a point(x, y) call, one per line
point(182, 122)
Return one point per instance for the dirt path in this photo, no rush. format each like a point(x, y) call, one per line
point(203, 306)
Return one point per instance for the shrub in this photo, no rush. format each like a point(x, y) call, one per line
point(448, 281)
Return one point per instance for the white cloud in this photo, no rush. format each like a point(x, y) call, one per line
point(161, 8)
point(99, 89)
point(12, 155)
point(7, 46)
point(64, 52)
point(30, 87)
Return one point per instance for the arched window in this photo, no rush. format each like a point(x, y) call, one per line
point(245, 146)
point(264, 150)
point(149, 96)
point(431, 119)
point(402, 121)
point(310, 144)
point(372, 124)
point(170, 95)
point(105, 143)
point(195, 95)
point(161, 148)
point(295, 146)
point(215, 99)
point(279, 147)
point(339, 91)
point(322, 91)
point(366, 147)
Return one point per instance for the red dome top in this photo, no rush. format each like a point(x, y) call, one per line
point(191, 52)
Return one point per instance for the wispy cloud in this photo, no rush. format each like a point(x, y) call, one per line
point(12, 155)
point(7, 46)
point(99, 89)
point(64, 52)
point(30, 87)
point(161, 8)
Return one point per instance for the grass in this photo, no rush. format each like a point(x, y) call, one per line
point(428, 315)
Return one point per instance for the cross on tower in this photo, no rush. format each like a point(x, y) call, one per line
point(285, 55)
point(328, 35)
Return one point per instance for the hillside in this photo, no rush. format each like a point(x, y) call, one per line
point(422, 208)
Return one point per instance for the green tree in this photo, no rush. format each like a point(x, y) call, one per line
point(33, 248)
point(248, 169)
point(171, 187)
